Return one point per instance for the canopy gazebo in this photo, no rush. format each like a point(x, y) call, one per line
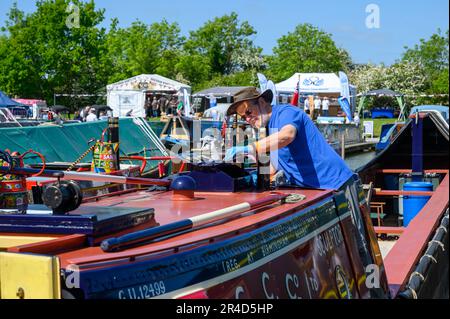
point(384, 92)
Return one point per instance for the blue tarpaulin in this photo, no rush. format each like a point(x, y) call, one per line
point(5, 101)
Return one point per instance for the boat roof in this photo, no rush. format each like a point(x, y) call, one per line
point(169, 211)
point(440, 108)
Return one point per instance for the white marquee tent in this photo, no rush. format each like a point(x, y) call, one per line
point(310, 83)
point(327, 84)
point(129, 95)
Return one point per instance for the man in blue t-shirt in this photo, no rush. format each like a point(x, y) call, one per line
point(296, 145)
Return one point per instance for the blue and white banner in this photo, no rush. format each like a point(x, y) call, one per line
point(345, 89)
point(344, 99)
point(262, 81)
point(345, 106)
point(271, 86)
point(187, 103)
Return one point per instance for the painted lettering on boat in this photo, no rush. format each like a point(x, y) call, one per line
point(329, 240)
point(293, 285)
point(230, 265)
point(143, 291)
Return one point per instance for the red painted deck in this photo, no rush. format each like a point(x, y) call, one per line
point(402, 258)
point(168, 211)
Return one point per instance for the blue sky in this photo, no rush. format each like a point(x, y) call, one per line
point(402, 22)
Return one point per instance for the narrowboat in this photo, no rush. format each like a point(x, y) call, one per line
point(212, 232)
point(407, 189)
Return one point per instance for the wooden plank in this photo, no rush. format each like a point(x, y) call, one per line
point(389, 230)
point(52, 245)
point(401, 193)
point(406, 171)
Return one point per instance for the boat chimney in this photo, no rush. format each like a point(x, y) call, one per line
point(113, 125)
point(262, 165)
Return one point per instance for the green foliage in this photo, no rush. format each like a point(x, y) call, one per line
point(402, 77)
point(433, 57)
point(42, 55)
point(378, 123)
point(226, 44)
point(306, 49)
point(144, 49)
point(432, 54)
point(243, 78)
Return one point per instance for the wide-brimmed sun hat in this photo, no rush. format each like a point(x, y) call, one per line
point(247, 94)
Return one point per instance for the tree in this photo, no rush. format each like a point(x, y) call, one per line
point(227, 45)
point(243, 78)
point(142, 48)
point(403, 77)
point(306, 49)
point(193, 69)
point(432, 56)
point(46, 55)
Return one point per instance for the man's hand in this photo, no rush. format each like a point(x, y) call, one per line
point(236, 151)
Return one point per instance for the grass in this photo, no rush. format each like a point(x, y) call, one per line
point(377, 123)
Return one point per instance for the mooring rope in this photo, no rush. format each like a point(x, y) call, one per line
point(294, 198)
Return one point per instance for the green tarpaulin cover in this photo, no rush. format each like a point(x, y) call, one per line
point(66, 143)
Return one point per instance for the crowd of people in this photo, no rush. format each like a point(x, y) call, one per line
point(321, 106)
point(314, 106)
point(154, 106)
point(89, 114)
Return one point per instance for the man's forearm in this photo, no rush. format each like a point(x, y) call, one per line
point(274, 141)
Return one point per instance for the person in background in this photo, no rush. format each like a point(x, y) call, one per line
point(212, 101)
point(81, 115)
point(77, 116)
point(163, 102)
point(91, 116)
point(155, 107)
point(103, 116)
point(325, 106)
point(57, 118)
point(356, 119)
point(148, 108)
point(172, 105)
point(317, 105)
point(85, 113)
point(306, 104)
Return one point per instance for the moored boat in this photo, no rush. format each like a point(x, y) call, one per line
point(407, 184)
point(211, 232)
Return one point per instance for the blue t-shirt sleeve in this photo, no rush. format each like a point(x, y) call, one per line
point(289, 115)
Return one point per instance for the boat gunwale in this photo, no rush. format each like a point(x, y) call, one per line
point(223, 229)
point(405, 254)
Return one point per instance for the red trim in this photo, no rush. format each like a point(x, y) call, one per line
point(266, 200)
point(405, 254)
point(389, 230)
point(401, 193)
point(422, 115)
